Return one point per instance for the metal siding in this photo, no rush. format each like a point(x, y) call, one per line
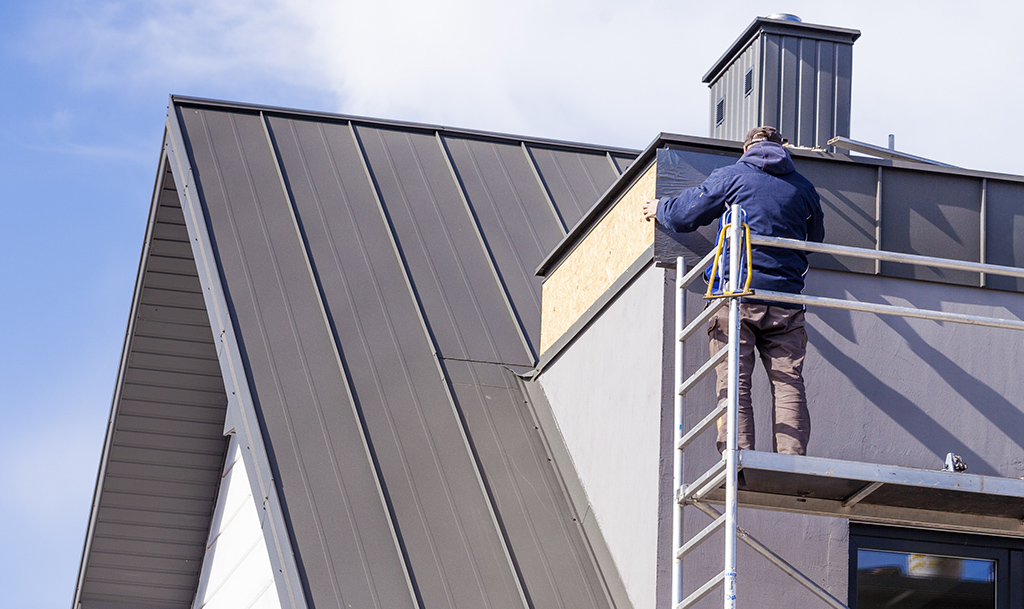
point(825, 94)
point(771, 75)
point(804, 134)
point(789, 78)
point(517, 222)
point(931, 215)
point(574, 179)
point(1005, 231)
point(298, 385)
point(843, 77)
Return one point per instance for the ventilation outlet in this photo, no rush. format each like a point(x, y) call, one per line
point(720, 112)
point(748, 82)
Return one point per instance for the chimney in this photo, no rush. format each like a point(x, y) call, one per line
point(786, 73)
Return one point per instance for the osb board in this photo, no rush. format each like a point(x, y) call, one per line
point(597, 261)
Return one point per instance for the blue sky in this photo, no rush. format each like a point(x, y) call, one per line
point(82, 108)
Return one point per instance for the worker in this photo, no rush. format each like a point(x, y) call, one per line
point(778, 202)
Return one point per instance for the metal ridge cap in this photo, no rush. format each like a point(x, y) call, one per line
point(184, 100)
point(778, 25)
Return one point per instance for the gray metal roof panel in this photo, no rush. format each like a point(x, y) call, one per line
point(575, 180)
point(292, 366)
point(517, 220)
point(354, 255)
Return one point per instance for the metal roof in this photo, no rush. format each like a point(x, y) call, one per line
point(350, 296)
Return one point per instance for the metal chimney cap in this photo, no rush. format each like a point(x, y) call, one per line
point(785, 17)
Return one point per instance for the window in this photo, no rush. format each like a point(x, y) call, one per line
point(748, 82)
point(909, 568)
point(720, 112)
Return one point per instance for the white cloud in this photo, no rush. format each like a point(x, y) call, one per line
point(602, 71)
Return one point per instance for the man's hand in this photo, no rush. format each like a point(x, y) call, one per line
point(650, 209)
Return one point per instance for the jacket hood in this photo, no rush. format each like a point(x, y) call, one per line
point(771, 157)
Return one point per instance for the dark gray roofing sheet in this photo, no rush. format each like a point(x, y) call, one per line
point(148, 534)
point(365, 265)
point(574, 180)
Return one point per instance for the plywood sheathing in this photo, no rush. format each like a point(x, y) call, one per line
point(615, 243)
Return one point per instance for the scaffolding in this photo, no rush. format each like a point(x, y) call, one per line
point(858, 491)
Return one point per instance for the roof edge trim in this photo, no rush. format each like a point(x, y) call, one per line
point(241, 412)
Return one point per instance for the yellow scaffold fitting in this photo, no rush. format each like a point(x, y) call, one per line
point(720, 249)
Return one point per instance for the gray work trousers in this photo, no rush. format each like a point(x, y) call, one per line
point(779, 335)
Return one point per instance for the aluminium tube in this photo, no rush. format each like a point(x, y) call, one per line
point(729, 587)
point(677, 426)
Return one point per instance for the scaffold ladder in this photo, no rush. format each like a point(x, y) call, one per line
point(727, 469)
point(697, 493)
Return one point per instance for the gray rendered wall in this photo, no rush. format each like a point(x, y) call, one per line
point(605, 391)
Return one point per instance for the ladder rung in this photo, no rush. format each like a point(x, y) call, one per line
point(700, 537)
point(701, 319)
point(699, 428)
point(704, 370)
point(713, 477)
point(697, 270)
point(701, 592)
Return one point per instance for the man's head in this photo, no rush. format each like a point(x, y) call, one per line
point(762, 134)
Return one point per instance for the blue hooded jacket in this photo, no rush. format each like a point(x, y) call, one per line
point(778, 201)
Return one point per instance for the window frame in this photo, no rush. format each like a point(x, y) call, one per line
point(1007, 551)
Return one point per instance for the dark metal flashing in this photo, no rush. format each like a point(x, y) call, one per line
point(775, 26)
point(639, 266)
point(735, 149)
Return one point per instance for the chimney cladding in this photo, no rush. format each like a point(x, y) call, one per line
point(782, 72)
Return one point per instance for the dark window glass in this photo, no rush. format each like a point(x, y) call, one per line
point(904, 579)
point(918, 569)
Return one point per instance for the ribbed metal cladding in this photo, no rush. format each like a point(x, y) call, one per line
point(800, 75)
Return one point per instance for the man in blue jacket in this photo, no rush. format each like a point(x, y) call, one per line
point(779, 202)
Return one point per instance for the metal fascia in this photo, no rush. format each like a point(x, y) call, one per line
point(241, 413)
point(122, 369)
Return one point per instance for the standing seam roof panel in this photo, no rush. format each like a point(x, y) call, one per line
point(518, 223)
point(536, 518)
point(575, 180)
point(298, 388)
point(467, 310)
point(436, 494)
